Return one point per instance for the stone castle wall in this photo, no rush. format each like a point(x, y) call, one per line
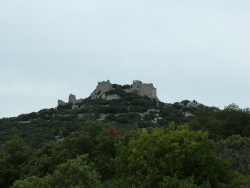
point(60, 102)
point(72, 99)
point(101, 88)
point(143, 89)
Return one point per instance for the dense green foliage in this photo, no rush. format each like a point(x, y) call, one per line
point(237, 149)
point(152, 157)
point(73, 173)
point(169, 152)
point(130, 142)
point(13, 161)
point(45, 125)
point(223, 123)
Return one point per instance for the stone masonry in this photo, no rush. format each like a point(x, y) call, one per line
point(72, 99)
point(100, 92)
point(60, 102)
point(141, 88)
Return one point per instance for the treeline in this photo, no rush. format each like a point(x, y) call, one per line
point(222, 123)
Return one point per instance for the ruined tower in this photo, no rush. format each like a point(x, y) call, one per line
point(101, 88)
point(144, 89)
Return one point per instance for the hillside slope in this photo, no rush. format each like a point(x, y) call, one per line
point(46, 125)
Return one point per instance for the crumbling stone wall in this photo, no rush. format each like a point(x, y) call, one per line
point(101, 88)
point(72, 99)
point(60, 102)
point(143, 89)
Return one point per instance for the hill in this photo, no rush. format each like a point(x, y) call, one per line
point(123, 136)
point(124, 111)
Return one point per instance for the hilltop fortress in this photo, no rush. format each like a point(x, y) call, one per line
point(100, 92)
point(141, 88)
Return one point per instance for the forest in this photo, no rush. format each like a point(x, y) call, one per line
point(131, 142)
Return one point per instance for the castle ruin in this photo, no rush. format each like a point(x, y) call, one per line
point(141, 88)
point(72, 99)
point(100, 92)
point(101, 89)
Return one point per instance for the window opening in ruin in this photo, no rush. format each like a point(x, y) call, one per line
point(137, 86)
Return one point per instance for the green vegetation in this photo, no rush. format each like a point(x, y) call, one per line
point(223, 123)
point(39, 128)
point(169, 152)
point(73, 173)
point(131, 142)
point(237, 149)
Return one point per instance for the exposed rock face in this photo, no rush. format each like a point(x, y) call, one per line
point(187, 114)
point(193, 104)
point(24, 121)
point(102, 117)
point(101, 88)
point(113, 97)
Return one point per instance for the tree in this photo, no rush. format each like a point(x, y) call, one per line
point(60, 133)
point(51, 155)
point(237, 149)
point(13, 161)
point(3, 169)
point(239, 180)
point(104, 151)
point(74, 173)
point(32, 182)
point(97, 139)
point(221, 124)
point(169, 152)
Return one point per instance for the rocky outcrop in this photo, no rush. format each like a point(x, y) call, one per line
point(102, 117)
point(113, 97)
point(187, 114)
point(193, 104)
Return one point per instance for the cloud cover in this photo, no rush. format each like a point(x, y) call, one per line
point(187, 49)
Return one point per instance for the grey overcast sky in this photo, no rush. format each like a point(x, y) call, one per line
point(195, 50)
